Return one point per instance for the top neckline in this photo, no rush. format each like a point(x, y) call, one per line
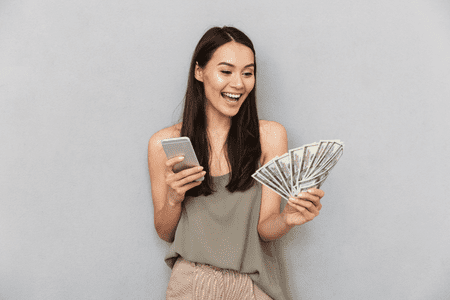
point(221, 175)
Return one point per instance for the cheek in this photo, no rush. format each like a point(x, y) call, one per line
point(250, 85)
point(219, 79)
point(214, 83)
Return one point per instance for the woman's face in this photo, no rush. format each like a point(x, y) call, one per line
point(228, 78)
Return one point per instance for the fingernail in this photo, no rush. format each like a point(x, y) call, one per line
point(180, 157)
point(200, 168)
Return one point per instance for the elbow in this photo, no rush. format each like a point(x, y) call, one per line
point(261, 235)
point(163, 235)
point(167, 239)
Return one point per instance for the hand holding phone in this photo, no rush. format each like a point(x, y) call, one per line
point(181, 146)
point(183, 170)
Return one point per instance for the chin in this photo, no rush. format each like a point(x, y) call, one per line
point(231, 112)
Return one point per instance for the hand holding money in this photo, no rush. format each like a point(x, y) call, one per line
point(300, 169)
point(303, 208)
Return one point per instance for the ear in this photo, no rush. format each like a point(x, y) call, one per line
point(198, 73)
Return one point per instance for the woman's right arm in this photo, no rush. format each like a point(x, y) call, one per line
point(168, 188)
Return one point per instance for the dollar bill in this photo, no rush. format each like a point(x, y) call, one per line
point(296, 160)
point(283, 164)
point(301, 168)
point(321, 160)
point(274, 177)
point(316, 157)
point(332, 162)
point(269, 183)
point(308, 155)
point(329, 161)
point(313, 183)
point(325, 159)
point(271, 168)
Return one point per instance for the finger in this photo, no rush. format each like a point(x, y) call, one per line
point(310, 206)
point(189, 186)
point(296, 206)
point(319, 207)
point(304, 211)
point(186, 176)
point(173, 161)
point(191, 178)
point(310, 197)
point(188, 172)
point(317, 192)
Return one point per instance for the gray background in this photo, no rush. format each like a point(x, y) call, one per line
point(84, 84)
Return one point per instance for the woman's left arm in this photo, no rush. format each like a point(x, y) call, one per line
point(299, 210)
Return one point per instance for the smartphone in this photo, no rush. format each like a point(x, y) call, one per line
point(181, 146)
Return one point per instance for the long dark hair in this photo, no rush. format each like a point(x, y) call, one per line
point(243, 144)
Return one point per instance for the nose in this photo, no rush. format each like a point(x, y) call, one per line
point(237, 81)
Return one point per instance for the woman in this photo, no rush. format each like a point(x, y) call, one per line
point(220, 228)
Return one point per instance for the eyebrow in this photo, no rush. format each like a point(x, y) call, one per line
point(230, 65)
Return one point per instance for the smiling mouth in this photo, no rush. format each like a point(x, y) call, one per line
point(231, 97)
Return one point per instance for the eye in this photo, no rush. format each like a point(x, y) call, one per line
point(226, 72)
point(248, 74)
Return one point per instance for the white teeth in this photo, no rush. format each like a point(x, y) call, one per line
point(235, 96)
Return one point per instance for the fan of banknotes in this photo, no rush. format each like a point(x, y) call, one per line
point(301, 168)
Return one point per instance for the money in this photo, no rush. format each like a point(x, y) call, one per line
point(271, 167)
point(300, 168)
point(283, 163)
point(296, 159)
point(270, 184)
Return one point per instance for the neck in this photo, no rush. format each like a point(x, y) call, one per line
point(217, 125)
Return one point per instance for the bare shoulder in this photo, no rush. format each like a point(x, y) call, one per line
point(156, 155)
point(273, 137)
point(271, 131)
point(165, 133)
point(270, 127)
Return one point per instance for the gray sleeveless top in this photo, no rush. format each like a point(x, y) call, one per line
point(221, 230)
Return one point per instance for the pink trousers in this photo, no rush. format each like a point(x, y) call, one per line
point(195, 281)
